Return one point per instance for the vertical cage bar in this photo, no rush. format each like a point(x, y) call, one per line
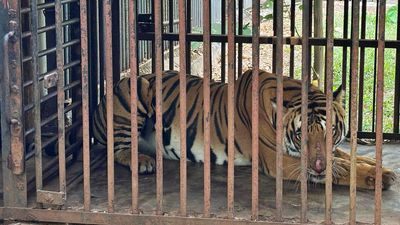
point(304, 107)
point(182, 102)
point(353, 107)
point(292, 34)
point(85, 104)
point(375, 69)
point(171, 30)
point(362, 65)
point(255, 108)
point(133, 65)
point(159, 125)
point(279, 114)
point(231, 109)
point(188, 30)
point(36, 109)
point(345, 35)
point(240, 32)
point(223, 44)
point(110, 102)
point(60, 96)
point(329, 101)
point(206, 97)
point(379, 112)
point(397, 78)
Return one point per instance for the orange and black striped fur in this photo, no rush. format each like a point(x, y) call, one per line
point(267, 124)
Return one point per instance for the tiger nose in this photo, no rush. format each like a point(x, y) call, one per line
point(319, 166)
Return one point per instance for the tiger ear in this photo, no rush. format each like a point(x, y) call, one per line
point(339, 95)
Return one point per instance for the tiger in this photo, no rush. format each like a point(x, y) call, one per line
point(316, 156)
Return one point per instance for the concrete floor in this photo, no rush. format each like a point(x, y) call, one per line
point(291, 194)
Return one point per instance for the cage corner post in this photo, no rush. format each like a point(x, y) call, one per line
point(13, 154)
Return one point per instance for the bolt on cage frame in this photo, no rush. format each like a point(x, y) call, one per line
point(15, 129)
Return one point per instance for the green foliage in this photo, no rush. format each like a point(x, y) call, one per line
point(369, 70)
point(391, 14)
point(267, 4)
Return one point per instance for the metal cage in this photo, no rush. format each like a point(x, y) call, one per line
point(61, 56)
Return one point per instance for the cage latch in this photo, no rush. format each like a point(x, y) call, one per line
point(50, 80)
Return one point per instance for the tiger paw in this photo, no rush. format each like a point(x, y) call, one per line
point(388, 179)
point(147, 164)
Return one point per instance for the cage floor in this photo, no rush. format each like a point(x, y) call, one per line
point(291, 193)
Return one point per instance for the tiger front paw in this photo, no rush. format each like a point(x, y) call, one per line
point(388, 178)
point(147, 164)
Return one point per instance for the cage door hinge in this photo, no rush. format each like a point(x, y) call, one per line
point(51, 197)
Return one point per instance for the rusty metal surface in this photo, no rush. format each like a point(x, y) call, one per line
point(110, 103)
point(50, 197)
point(36, 105)
point(85, 104)
point(305, 76)
point(133, 64)
point(14, 176)
point(255, 109)
point(60, 96)
point(182, 103)
point(159, 125)
point(353, 108)
point(379, 111)
point(279, 110)
point(35, 215)
point(15, 161)
point(206, 113)
point(329, 101)
point(231, 107)
point(396, 115)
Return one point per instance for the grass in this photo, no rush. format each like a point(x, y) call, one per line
point(369, 70)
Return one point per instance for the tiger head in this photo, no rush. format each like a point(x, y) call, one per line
point(316, 129)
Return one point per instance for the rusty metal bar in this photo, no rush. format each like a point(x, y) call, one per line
point(12, 126)
point(240, 32)
point(45, 6)
point(159, 125)
point(362, 65)
point(279, 111)
point(292, 33)
point(255, 108)
point(171, 22)
point(85, 104)
point(223, 45)
point(69, 216)
point(231, 106)
point(52, 50)
point(35, 86)
point(304, 106)
point(397, 79)
point(50, 27)
point(133, 64)
point(345, 35)
point(329, 101)
point(60, 96)
point(375, 68)
point(109, 103)
point(353, 108)
point(182, 103)
point(206, 97)
point(287, 40)
point(188, 30)
point(379, 112)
